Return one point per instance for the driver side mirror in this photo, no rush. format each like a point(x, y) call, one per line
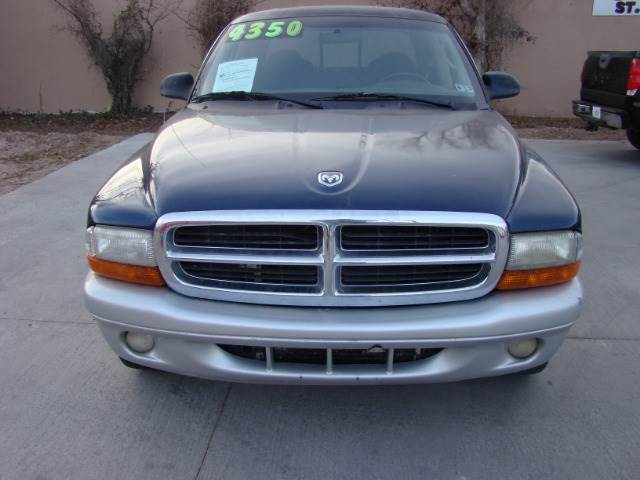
point(178, 85)
point(501, 85)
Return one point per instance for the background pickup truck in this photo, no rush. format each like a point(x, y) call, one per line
point(610, 92)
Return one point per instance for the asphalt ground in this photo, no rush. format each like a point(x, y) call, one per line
point(70, 410)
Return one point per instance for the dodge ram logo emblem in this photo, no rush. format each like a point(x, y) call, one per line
point(330, 179)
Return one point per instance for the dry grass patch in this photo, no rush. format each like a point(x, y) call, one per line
point(27, 156)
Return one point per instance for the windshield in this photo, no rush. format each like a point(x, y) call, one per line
point(320, 57)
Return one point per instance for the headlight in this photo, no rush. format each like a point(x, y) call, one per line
point(124, 245)
point(542, 258)
point(123, 254)
point(544, 249)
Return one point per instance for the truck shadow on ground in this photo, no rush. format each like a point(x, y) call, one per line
point(468, 395)
point(374, 427)
point(627, 158)
point(300, 431)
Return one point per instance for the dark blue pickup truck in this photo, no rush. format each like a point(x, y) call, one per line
point(337, 203)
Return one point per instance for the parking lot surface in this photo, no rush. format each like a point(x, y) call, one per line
point(68, 409)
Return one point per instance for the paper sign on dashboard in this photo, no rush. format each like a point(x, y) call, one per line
point(236, 76)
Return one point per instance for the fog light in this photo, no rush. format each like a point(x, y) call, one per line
point(139, 342)
point(523, 348)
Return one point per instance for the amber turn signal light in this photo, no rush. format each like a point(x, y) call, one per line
point(126, 273)
point(539, 277)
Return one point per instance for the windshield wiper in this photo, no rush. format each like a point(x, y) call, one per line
point(382, 97)
point(241, 95)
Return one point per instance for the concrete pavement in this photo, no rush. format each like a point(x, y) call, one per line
point(68, 409)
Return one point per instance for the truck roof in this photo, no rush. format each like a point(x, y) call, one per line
point(335, 10)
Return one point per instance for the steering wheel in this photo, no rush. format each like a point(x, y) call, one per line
point(409, 75)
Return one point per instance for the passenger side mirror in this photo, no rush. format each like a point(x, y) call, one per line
point(178, 85)
point(501, 85)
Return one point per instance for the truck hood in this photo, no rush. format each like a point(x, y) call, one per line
point(392, 159)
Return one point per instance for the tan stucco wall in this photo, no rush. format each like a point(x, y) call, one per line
point(44, 69)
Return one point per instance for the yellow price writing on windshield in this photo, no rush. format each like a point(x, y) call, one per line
point(255, 30)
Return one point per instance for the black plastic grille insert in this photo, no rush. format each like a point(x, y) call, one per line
point(259, 237)
point(318, 356)
point(408, 278)
point(401, 237)
point(252, 275)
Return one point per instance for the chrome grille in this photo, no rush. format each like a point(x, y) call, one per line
point(332, 258)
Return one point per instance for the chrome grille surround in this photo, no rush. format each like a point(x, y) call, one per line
point(329, 257)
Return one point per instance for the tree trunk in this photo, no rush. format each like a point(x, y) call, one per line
point(481, 35)
point(120, 100)
point(475, 12)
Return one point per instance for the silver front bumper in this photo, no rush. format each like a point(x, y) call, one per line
point(474, 335)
